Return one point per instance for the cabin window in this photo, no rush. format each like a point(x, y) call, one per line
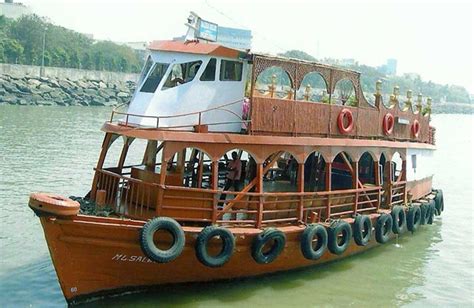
point(146, 69)
point(154, 78)
point(182, 73)
point(210, 71)
point(231, 71)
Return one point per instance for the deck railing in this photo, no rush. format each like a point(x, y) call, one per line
point(196, 118)
point(138, 199)
point(398, 193)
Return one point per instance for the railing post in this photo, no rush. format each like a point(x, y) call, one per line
point(355, 184)
point(199, 121)
point(126, 120)
point(301, 190)
point(259, 221)
point(328, 188)
point(215, 187)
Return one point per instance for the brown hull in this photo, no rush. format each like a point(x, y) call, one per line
point(101, 255)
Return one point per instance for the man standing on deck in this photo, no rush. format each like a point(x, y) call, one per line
point(233, 174)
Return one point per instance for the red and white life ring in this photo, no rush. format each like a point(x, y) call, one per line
point(345, 114)
point(388, 124)
point(415, 128)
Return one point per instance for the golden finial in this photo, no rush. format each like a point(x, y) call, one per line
point(428, 106)
point(408, 104)
point(419, 106)
point(307, 92)
point(378, 87)
point(396, 91)
point(272, 87)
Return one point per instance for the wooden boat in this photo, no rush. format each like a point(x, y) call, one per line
point(315, 178)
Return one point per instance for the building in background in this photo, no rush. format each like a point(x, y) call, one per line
point(230, 37)
point(389, 68)
point(10, 9)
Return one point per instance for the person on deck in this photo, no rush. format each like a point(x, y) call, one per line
point(233, 175)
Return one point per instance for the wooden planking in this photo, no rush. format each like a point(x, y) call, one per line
point(274, 116)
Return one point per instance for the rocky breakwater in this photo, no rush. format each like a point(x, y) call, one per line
point(52, 91)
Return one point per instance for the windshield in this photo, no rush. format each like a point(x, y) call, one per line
point(182, 73)
point(153, 80)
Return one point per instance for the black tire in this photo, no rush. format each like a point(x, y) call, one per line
point(309, 234)
point(432, 209)
point(383, 226)
point(202, 242)
point(148, 246)
point(270, 234)
point(413, 218)
point(343, 228)
point(425, 213)
point(362, 229)
point(439, 202)
point(399, 219)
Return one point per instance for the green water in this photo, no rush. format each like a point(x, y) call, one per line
point(54, 149)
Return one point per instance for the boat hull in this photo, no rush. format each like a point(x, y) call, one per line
point(95, 256)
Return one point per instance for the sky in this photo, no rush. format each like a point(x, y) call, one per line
point(432, 38)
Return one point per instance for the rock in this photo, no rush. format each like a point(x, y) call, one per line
point(34, 82)
point(44, 88)
point(91, 92)
point(23, 88)
point(44, 79)
point(10, 99)
point(44, 103)
point(102, 85)
point(122, 94)
point(81, 84)
point(97, 101)
point(54, 83)
point(22, 102)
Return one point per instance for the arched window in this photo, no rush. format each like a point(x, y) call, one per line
point(341, 175)
point(344, 93)
point(367, 169)
point(274, 82)
point(315, 172)
point(396, 166)
point(190, 167)
point(313, 88)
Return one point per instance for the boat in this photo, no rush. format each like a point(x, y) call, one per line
point(228, 164)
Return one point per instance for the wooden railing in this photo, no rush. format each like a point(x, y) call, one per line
point(138, 199)
point(398, 191)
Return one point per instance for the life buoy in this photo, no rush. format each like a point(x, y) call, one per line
point(341, 229)
point(383, 228)
point(415, 128)
point(362, 230)
point(432, 209)
point(268, 235)
point(52, 204)
point(439, 202)
point(309, 250)
point(345, 113)
point(399, 219)
point(151, 250)
point(413, 218)
point(388, 123)
point(202, 245)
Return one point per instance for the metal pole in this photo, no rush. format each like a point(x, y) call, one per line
point(42, 58)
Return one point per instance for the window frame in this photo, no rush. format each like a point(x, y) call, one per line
point(234, 61)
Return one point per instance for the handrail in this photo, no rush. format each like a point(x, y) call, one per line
point(139, 199)
point(198, 113)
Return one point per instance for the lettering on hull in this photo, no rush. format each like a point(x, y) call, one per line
point(127, 258)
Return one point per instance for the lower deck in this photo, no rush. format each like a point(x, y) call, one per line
point(278, 185)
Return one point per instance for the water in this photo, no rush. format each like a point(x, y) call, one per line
point(54, 149)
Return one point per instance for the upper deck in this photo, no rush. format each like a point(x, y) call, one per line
point(298, 108)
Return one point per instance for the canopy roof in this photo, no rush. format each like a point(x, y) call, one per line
point(195, 47)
